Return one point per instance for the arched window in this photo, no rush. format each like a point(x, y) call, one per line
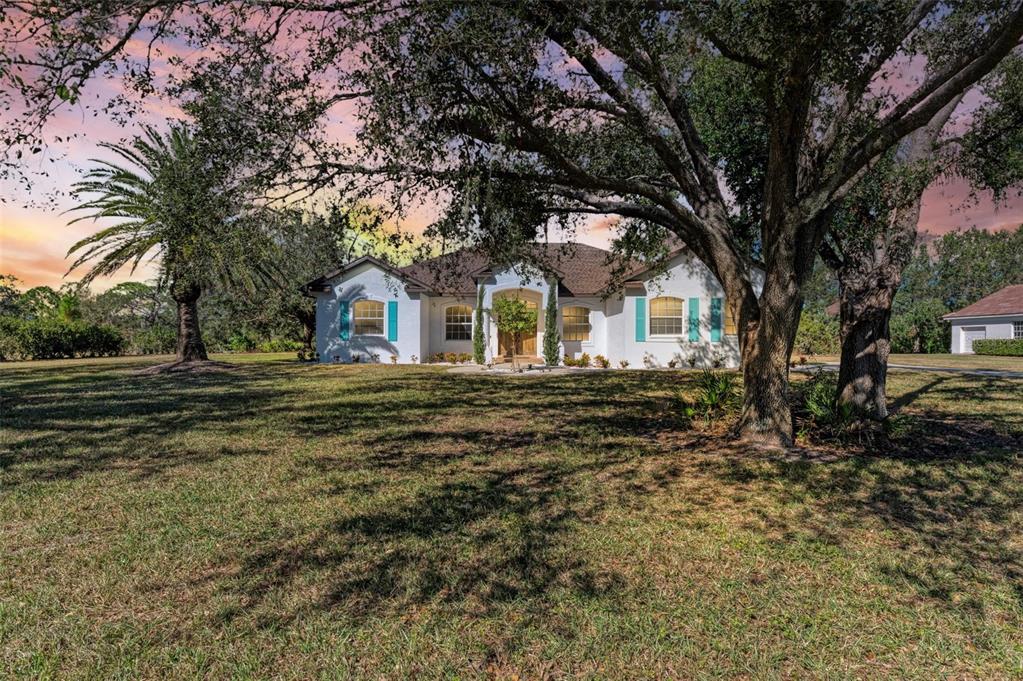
point(666, 316)
point(368, 316)
point(575, 323)
point(458, 323)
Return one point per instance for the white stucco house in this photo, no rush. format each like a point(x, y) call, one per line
point(999, 315)
point(368, 310)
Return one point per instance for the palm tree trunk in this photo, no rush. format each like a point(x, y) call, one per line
point(190, 345)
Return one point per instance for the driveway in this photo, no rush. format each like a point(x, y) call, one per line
point(990, 373)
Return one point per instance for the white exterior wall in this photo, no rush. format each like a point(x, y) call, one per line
point(686, 278)
point(368, 282)
point(994, 327)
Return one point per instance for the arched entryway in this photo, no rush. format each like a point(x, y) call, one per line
point(528, 345)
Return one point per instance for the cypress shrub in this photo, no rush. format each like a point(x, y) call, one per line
point(479, 350)
point(551, 337)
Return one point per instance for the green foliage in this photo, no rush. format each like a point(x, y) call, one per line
point(716, 394)
point(919, 328)
point(818, 334)
point(479, 347)
point(55, 339)
point(279, 345)
point(159, 340)
point(551, 337)
point(241, 342)
point(824, 415)
point(992, 155)
point(1005, 347)
point(602, 362)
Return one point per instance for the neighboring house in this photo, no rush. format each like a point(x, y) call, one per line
point(379, 312)
point(999, 315)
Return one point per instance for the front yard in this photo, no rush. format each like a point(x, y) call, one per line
point(308, 521)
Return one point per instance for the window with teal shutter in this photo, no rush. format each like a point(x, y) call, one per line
point(694, 320)
point(392, 320)
point(640, 320)
point(343, 320)
point(715, 320)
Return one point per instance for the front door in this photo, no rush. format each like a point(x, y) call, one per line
point(527, 343)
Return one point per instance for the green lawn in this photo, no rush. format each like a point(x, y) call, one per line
point(946, 361)
point(305, 521)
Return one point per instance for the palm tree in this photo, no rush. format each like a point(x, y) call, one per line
point(173, 205)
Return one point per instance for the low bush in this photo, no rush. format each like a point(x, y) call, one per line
point(715, 395)
point(582, 360)
point(1006, 347)
point(54, 339)
point(602, 362)
point(464, 357)
point(241, 342)
point(819, 406)
point(279, 345)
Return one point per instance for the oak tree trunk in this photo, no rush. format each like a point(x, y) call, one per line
point(190, 345)
point(766, 417)
point(866, 342)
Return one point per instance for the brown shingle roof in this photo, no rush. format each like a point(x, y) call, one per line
point(1008, 300)
point(583, 270)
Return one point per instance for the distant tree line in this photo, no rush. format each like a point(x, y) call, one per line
point(267, 314)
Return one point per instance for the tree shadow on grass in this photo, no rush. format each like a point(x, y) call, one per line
point(79, 421)
point(951, 521)
point(468, 546)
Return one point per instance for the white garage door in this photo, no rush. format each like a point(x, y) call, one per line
point(972, 333)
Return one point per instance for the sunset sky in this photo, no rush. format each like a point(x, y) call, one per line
point(35, 235)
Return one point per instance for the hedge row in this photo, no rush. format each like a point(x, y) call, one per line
point(999, 346)
point(52, 339)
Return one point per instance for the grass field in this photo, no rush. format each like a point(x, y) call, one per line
point(947, 361)
point(303, 521)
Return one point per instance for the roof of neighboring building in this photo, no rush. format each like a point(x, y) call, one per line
point(1006, 301)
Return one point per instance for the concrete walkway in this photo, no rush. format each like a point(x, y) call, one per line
point(990, 373)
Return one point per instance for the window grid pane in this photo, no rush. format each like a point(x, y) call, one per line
point(575, 323)
point(458, 323)
point(1017, 330)
point(730, 329)
point(666, 317)
point(369, 318)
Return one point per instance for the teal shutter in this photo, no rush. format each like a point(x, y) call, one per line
point(715, 320)
point(694, 320)
point(343, 320)
point(392, 320)
point(640, 320)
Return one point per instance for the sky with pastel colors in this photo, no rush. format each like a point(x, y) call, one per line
point(35, 234)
